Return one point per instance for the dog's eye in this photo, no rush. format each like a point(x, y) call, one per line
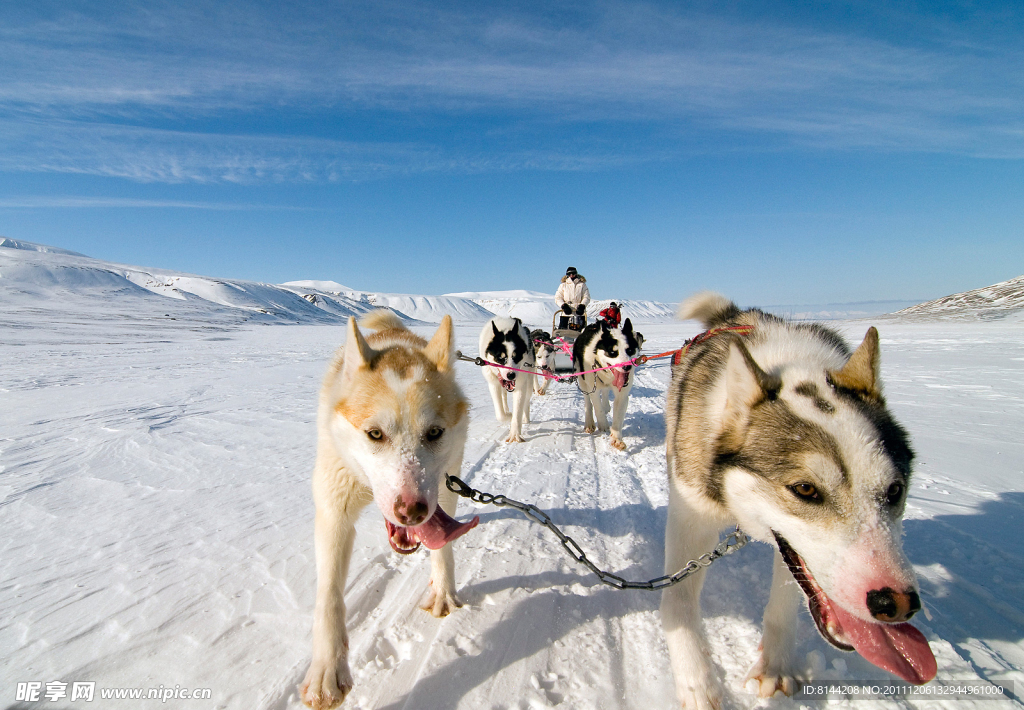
point(375, 434)
point(805, 491)
point(895, 492)
point(434, 433)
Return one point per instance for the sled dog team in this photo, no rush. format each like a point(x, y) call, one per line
point(777, 427)
point(516, 355)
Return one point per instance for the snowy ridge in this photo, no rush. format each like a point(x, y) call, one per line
point(68, 285)
point(1003, 300)
point(59, 280)
point(9, 243)
point(322, 286)
point(537, 309)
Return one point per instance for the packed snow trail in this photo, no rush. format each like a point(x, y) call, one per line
point(156, 529)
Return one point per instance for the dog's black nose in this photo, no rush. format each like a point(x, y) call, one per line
point(511, 375)
point(410, 514)
point(887, 604)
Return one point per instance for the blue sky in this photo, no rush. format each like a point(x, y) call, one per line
point(799, 152)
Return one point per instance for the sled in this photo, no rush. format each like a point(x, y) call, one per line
point(563, 340)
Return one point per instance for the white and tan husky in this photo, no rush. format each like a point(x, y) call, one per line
point(785, 432)
point(391, 421)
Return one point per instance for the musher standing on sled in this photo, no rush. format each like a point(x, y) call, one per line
point(572, 296)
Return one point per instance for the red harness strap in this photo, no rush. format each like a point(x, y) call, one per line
point(706, 335)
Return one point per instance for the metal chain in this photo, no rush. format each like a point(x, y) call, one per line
point(732, 542)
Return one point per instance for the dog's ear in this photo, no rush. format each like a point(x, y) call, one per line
point(746, 384)
point(441, 347)
point(358, 352)
point(627, 327)
point(861, 371)
point(494, 327)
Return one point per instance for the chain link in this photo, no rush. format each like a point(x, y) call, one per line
point(732, 542)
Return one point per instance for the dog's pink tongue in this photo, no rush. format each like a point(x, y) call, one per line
point(441, 529)
point(620, 378)
point(898, 648)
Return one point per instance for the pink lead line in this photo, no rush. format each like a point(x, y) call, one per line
point(566, 348)
point(551, 376)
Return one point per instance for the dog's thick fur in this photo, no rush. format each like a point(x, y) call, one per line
point(786, 433)
point(391, 421)
point(544, 348)
point(600, 345)
point(506, 341)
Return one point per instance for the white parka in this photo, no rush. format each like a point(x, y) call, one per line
point(575, 292)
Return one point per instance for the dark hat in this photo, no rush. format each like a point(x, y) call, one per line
point(613, 305)
point(570, 270)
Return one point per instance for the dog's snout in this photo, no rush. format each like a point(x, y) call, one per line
point(887, 604)
point(410, 513)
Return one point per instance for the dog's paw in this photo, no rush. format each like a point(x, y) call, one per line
point(589, 429)
point(766, 681)
point(618, 443)
point(701, 696)
point(326, 686)
point(440, 604)
point(514, 439)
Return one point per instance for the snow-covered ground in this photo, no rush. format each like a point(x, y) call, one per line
point(156, 524)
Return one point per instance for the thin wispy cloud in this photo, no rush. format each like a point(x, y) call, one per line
point(70, 202)
point(154, 155)
point(138, 95)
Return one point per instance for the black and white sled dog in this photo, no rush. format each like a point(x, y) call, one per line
point(544, 348)
point(506, 341)
point(783, 431)
point(600, 345)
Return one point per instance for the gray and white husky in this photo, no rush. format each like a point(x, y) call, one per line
point(600, 345)
point(785, 432)
point(507, 342)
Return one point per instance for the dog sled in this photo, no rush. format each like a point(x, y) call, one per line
point(563, 339)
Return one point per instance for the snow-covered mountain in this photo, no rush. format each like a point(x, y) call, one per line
point(66, 285)
point(61, 281)
point(1000, 301)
